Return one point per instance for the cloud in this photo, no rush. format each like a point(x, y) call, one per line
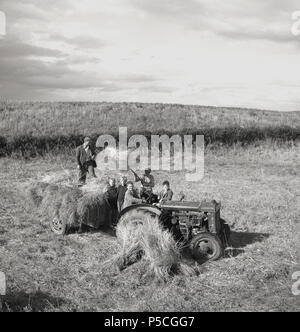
point(157, 89)
point(59, 75)
point(33, 10)
point(81, 41)
point(178, 51)
point(234, 19)
point(16, 48)
point(137, 78)
point(261, 35)
point(28, 68)
point(171, 8)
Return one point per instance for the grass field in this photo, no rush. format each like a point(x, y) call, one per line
point(259, 189)
point(55, 119)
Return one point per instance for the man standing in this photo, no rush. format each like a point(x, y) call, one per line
point(131, 197)
point(85, 157)
point(121, 191)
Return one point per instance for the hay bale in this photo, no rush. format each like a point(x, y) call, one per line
point(129, 240)
point(69, 204)
point(150, 242)
point(35, 193)
point(161, 251)
point(93, 209)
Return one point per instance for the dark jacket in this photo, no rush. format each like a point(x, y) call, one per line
point(111, 196)
point(121, 194)
point(84, 157)
point(166, 196)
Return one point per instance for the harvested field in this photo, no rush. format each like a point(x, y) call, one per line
point(259, 190)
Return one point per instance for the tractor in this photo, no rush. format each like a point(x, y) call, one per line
point(197, 224)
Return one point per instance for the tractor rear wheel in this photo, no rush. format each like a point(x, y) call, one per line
point(58, 226)
point(206, 247)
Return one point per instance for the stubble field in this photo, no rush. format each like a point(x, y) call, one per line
point(259, 190)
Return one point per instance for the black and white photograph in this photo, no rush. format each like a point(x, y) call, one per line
point(149, 158)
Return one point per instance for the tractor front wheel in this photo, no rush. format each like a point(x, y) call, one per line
point(206, 247)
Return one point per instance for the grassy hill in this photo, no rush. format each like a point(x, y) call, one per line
point(36, 128)
point(40, 119)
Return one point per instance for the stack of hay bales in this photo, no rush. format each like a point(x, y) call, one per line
point(148, 241)
point(69, 204)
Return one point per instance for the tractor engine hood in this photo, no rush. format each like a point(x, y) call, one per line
point(204, 206)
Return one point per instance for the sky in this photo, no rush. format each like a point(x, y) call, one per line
point(234, 53)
